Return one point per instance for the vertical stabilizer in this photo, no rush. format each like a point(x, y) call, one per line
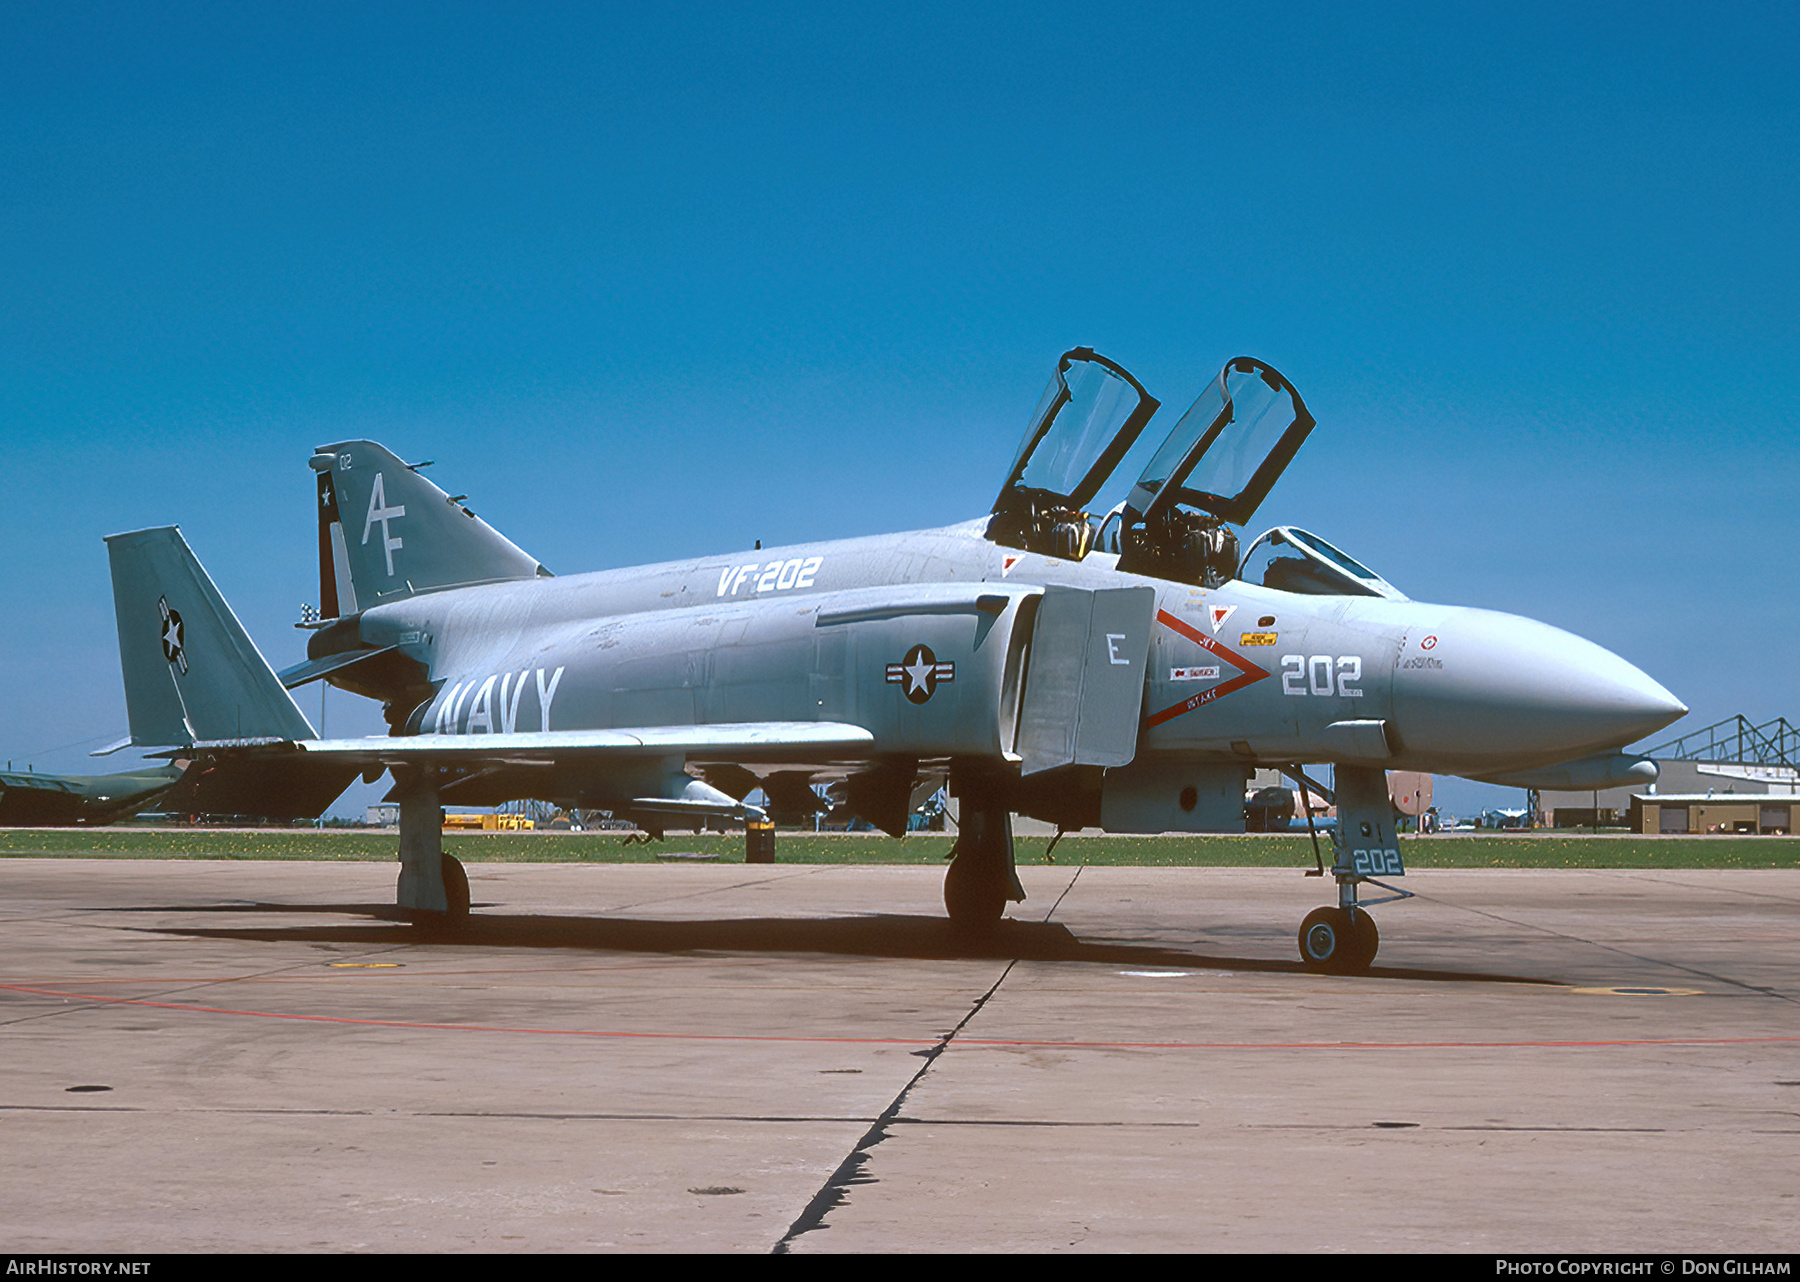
point(385, 532)
point(191, 671)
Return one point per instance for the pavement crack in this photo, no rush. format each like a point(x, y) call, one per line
point(851, 1171)
point(1065, 894)
point(1759, 989)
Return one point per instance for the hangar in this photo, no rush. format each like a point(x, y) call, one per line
point(1699, 813)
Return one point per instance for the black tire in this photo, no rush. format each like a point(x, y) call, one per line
point(973, 896)
point(1330, 941)
point(456, 888)
point(1366, 942)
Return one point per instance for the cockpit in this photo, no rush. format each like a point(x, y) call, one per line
point(1209, 475)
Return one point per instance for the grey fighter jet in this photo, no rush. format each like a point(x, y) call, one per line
point(1125, 670)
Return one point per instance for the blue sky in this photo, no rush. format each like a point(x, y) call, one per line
point(652, 284)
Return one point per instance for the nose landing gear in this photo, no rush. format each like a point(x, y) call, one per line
point(1343, 940)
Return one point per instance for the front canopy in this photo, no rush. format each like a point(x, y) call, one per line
point(1088, 417)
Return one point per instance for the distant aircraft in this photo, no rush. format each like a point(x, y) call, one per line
point(1126, 672)
point(32, 800)
point(236, 788)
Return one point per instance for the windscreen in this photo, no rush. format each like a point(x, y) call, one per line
point(1292, 560)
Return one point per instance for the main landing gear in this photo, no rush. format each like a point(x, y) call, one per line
point(981, 878)
point(433, 889)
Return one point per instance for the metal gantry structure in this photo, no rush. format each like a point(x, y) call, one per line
point(539, 812)
point(1737, 741)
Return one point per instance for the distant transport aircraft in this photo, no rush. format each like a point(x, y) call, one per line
point(241, 788)
point(1125, 670)
point(32, 800)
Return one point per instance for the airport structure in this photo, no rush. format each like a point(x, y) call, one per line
point(1730, 777)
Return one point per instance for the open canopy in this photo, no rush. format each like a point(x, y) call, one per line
point(1089, 415)
point(1229, 449)
point(1212, 472)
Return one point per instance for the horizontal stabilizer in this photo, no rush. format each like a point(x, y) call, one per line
point(313, 669)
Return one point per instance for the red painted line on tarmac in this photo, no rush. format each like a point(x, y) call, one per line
point(902, 1041)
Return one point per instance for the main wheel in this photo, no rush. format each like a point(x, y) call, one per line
point(1331, 942)
point(456, 888)
point(973, 896)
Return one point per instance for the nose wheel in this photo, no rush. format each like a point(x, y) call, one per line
point(1339, 941)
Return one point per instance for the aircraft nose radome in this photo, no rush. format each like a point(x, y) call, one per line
point(1494, 688)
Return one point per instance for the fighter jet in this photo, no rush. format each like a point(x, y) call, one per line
point(1124, 670)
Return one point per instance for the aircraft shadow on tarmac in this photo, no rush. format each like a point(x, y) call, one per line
point(912, 937)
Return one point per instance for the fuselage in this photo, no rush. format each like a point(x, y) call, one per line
point(1238, 672)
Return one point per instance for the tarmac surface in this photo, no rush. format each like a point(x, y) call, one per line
point(209, 1056)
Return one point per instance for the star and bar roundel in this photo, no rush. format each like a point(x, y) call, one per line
point(1248, 672)
point(174, 635)
point(920, 673)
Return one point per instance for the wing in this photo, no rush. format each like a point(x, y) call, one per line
point(637, 768)
point(794, 743)
point(770, 742)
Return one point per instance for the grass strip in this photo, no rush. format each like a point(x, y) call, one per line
point(1284, 850)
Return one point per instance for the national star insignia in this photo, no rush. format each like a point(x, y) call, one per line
point(174, 650)
point(920, 673)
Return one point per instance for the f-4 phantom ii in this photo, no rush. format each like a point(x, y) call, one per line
point(1125, 670)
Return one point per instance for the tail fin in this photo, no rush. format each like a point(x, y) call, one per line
point(402, 533)
point(191, 671)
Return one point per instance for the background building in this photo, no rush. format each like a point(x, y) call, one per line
point(1701, 775)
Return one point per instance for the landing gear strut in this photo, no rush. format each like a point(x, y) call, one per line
point(981, 878)
point(1343, 940)
point(433, 888)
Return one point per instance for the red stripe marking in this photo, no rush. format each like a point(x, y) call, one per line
point(1248, 672)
